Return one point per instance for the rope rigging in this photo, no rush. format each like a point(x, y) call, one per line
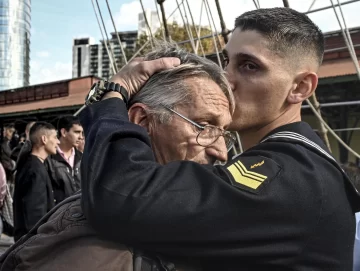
point(186, 26)
point(347, 37)
point(208, 13)
point(147, 24)
point(107, 38)
point(102, 34)
point(117, 33)
point(161, 25)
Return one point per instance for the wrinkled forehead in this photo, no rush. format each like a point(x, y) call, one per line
point(209, 101)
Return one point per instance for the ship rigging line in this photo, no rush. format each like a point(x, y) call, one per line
point(198, 41)
point(347, 37)
point(194, 26)
point(117, 34)
point(186, 26)
point(161, 24)
point(107, 38)
point(311, 6)
point(102, 34)
point(147, 24)
point(212, 32)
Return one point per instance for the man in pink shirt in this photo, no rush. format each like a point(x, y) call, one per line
point(64, 166)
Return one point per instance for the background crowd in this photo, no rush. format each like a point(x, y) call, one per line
point(38, 169)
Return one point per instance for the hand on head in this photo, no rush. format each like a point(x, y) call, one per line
point(135, 74)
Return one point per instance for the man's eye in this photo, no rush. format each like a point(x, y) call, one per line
point(225, 61)
point(248, 66)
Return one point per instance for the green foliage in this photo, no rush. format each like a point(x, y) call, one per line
point(179, 33)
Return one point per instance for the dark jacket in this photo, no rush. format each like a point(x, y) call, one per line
point(284, 204)
point(63, 240)
point(65, 179)
point(23, 154)
point(33, 196)
point(16, 151)
point(5, 144)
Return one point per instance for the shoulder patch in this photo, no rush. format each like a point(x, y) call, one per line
point(252, 173)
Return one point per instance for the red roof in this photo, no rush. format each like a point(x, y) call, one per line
point(77, 90)
point(337, 68)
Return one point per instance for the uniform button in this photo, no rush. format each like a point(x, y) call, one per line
point(54, 200)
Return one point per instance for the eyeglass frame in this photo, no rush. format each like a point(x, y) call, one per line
point(225, 134)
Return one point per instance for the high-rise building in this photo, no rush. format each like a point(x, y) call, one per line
point(81, 57)
point(15, 24)
point(153, 21)
point(93, 59)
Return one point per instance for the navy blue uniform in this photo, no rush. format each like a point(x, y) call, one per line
point(281, 205)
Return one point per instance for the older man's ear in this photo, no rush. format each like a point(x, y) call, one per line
point(138, 115)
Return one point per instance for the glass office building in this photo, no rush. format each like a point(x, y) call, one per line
point(15, 16)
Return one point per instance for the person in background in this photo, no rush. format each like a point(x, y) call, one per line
point(8, 133)
point(33, 196)
point(81, 145)
point(10, 164)
point(3, 175)
point(2, 184)
point(27, 130)
point(2, 192)
point(7, 220)
point(64, 166)
point(26, 147)
point(16, 151)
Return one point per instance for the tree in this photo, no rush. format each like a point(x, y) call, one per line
point(179, 33)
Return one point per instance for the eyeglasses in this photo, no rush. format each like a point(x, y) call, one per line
point(209, 134)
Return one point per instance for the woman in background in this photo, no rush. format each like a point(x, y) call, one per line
point(6, 208)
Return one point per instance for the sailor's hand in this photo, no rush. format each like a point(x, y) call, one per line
point(135, 74)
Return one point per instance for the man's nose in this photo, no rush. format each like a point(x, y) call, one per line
point(230, 77)
point(218, 150)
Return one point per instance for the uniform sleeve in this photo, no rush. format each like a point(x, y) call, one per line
point(34, 199)
point(183, 208)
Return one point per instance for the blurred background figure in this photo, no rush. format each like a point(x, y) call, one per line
point(6, 201)
point(64, 166)
point(8, 133)
point(33, 196)
point(81, 145)
point(16, 151)
point(23, 149)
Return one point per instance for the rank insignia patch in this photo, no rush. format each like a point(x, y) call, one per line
point(251, 173)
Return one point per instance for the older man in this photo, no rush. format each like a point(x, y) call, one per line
point(284, 204)
point(185, 112)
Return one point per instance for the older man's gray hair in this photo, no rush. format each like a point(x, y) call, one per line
point(167, 88)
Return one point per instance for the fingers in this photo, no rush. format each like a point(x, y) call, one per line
point(153, 66)
point(137, 60)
